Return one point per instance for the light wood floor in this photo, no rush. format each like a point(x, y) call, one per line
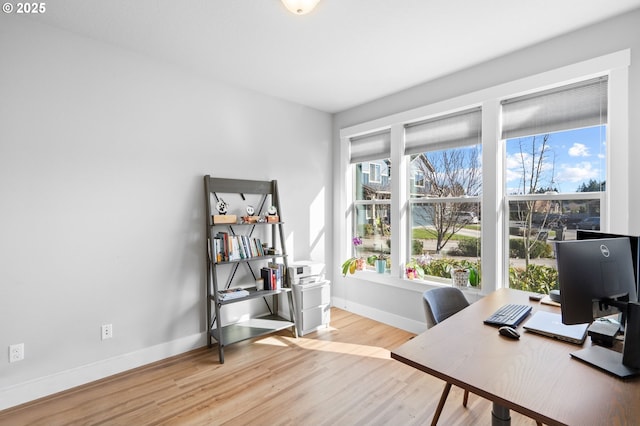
point(339, 376)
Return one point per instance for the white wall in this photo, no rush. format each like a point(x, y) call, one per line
point(403, 307)
point(102, 154)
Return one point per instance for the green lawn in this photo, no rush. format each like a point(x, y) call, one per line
point(423, 234)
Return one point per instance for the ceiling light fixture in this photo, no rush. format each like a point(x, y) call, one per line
point(300, 7)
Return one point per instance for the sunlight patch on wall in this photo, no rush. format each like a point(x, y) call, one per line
point(317, 226)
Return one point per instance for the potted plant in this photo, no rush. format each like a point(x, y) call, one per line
point(378, 261)
point(413, 269)
point(381, 263)
point(460, 277)
point(356, 263)
point(467, 268)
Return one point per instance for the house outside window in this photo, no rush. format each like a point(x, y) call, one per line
point(371, 208)
point(418, 180)
point(374, 173)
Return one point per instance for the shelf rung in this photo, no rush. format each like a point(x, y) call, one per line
point(254, 327)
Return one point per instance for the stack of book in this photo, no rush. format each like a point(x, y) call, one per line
point(273, 276)
point(236, 247)
point(232, 293)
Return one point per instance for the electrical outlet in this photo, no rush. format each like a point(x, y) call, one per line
point(16, 352)
point(107, 331)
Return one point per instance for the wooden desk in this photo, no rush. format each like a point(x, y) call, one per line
point(534, 375)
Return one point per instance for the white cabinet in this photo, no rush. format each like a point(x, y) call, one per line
point(313, 304)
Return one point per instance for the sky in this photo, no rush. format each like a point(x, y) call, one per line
point(573, 157)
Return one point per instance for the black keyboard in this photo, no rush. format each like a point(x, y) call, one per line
point(510, 315)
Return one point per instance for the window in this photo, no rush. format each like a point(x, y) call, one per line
point(372, 197)
point(492, 176)
point(556, 175)
point(374, 173)
point(444, 230)
point(418, 180)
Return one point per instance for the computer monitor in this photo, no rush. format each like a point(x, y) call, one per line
point(583, 234)
point(590, 271)
point(595, 279)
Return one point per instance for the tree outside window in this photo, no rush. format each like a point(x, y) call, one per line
point(555, 185)
point(445, 211)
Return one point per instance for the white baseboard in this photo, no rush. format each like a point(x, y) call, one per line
point(44, 386)
point(403, 323)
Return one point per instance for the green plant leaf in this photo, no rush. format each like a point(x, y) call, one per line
point(347, 266)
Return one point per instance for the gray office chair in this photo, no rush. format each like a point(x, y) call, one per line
point(440, 304)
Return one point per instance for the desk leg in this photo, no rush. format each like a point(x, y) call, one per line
point(500, 415)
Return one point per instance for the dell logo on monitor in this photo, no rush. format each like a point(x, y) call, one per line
point(604, 250)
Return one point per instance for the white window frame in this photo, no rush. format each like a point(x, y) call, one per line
point(415, 179)
point(377, 173)
point(494, 224)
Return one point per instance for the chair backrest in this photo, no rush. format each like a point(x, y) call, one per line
point(442, 302)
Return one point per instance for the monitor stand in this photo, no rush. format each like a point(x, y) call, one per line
point(607, 360)
point(625, 364)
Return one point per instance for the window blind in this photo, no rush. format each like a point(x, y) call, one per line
point(574, 106)
point(374, 146)
point(449, 131)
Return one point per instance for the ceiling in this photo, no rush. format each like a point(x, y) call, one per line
point(344, 53)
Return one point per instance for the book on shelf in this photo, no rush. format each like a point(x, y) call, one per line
point(221, 241)
point(268, 276)
point(232, 293)
point(273, 276)
point(236, 247)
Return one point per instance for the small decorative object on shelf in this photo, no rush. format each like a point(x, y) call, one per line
point(259, 284)
point(225, 219)
point(250, 218)
point(272, 214)
point(222, 207)
point(222, 217)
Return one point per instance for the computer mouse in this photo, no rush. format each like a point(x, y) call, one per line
point(509, 332)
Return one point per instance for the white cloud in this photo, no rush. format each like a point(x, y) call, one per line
point(580, 172)
point(515, 168)
point(579, 150)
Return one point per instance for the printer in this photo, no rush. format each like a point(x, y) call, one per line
point(305, 272)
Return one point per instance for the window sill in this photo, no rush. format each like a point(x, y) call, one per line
point(418, 285)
